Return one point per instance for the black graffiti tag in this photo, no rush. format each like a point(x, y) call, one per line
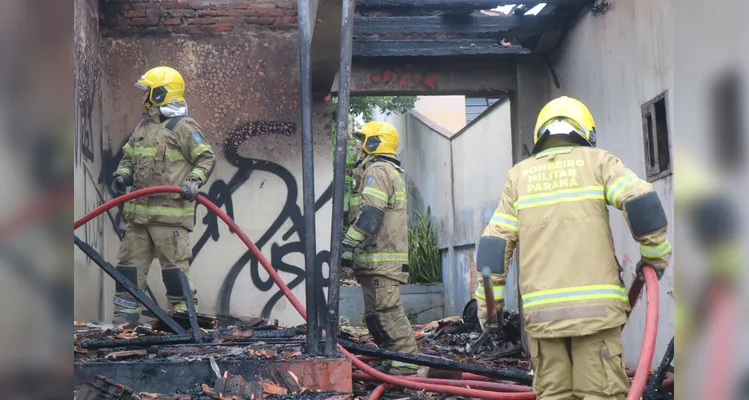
point(221, 192)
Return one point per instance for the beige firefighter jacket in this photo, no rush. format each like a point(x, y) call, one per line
point(155, 156)
point(555, 207)
point(385, 252)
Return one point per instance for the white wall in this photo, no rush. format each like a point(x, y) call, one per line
point(614, 63)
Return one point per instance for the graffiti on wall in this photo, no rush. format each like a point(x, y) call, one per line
point(220, 192)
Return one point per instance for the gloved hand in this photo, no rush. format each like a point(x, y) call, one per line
point(347, 256)
point(189, 189)
point(641, 276)
point(120, 184)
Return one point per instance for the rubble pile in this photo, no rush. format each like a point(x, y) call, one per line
point(452, 338)
point(230, 338)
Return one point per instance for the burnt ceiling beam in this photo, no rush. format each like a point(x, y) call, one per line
point(469, 24)
point(451, 5)
point(433, 48)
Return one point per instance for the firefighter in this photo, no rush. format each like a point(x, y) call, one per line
point(574, 301)
point(376, 243)
point(166, 148)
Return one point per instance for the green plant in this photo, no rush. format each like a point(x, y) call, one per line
point(423, 252)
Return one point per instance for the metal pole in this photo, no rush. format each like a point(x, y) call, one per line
point(308, 176)
point(339, 175)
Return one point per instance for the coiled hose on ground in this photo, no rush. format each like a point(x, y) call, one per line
point(638, 385)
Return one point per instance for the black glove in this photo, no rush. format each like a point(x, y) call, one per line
point(120, 184)
point(641, 276)
point(347, 256)
point(189, 189)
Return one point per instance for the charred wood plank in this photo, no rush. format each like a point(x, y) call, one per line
point(450, 5)
point(435, 362)
point(436, 48)
point(467, 25)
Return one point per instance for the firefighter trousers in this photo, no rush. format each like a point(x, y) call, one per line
point(143, 243)
point(384, 314)
point(584, 367)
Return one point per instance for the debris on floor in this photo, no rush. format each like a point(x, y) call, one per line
point(230, 339)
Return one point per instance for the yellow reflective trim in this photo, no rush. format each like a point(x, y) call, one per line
point(355, 200)
point(382, 257)
point(505, 220)
point(199, 173)
point(559, 196)
point(354, 234)
point(375, 193)
point(564, 295)
point(622, 297)
point(145, 151)
point(655, 251)
point(574, 288)
point(499, 292)
point(125, 171)
point(619, 185)
point(163, 211)
point(347, 255)
point(199, 149)
point(127, 149)
point(174, 155)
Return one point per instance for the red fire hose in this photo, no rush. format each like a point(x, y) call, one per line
point(642, 368)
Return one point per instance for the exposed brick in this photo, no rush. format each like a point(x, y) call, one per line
point(246, 13)
point(156, 13)
point(269, 13)
point(286, 21)
point(261, 6)
point(188, 29)
point(290, 13)
point(201, 21)
point(221, 28)
point(144, 21)
point(182, 13)
point(170, 5)
point(172, 21)
point(200, 5)
point(146, 6)
point(234, 6)
point(230, 20)
point(134, 13)
point(260, 20)
point(212, 13)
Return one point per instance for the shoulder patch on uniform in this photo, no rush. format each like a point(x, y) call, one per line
point(196, 137)
point(368, 180)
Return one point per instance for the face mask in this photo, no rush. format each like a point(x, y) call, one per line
point(174, 109)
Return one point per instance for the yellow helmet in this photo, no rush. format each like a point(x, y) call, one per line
point(163, 84)
point(564, 116)
point(378, 137)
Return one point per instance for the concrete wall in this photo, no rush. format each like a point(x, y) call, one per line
point(88, 142)
point(614, 63)
point(242, 88)
point(422, 303)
